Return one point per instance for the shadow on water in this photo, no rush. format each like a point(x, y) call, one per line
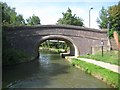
point(32, 73)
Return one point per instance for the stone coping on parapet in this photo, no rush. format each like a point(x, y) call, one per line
point(55, 26)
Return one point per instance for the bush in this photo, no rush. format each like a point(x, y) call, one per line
point(111, 33)
point(12, 56)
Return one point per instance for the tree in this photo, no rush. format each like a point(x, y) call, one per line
point(9, 16)
point(69, 19)
point(20, 20)
point(114, 19)
point(114, 16)
point(34, 20)
point(103, 18)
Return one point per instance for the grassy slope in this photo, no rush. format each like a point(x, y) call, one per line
point(109, 57)
point(105, 75)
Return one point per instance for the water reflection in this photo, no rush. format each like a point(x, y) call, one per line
point(49, 71)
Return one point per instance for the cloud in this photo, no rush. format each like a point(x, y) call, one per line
point(49, 13)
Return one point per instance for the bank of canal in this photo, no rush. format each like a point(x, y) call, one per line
point(106, 75)
point(49, 71)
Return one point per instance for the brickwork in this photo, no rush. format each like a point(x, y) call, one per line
point(28, 38)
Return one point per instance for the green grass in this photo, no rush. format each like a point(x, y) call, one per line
point(108, 56)
point(106, 75)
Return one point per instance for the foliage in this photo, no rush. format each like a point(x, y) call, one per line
point(110, 33)
point(20, 20)
point(10, 16)
point(12, 56)
point(109, 57)
point(34, 20)
point(103, 18)
point(111, 17)
point(56, 45)
point(99, 72)
point(119, 37)
point(114, 16)
point(9, 54)
point(69, 19)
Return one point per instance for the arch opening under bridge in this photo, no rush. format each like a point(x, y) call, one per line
point(73, 48)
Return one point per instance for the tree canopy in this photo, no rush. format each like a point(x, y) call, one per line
point(69, 19)
point(10, 17)
point(114, 16)
point(110, 17)
point(33, 20)
point(103, 18)
point(114, 19)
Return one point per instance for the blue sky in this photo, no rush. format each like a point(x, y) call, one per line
point(49, 11)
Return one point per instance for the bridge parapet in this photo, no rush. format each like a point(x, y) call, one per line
point(27, 38)
point(75, 31)
point(54, 26)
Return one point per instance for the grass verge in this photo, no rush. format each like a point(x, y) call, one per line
point(109, 77)
point(108, 56)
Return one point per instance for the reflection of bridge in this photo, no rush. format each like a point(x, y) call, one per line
point(80, 40)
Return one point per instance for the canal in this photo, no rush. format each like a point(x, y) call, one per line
point(49, 71)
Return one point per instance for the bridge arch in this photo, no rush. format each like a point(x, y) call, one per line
point(73, 48)
point(28, 38)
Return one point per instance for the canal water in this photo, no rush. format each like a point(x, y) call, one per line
point(49, 71)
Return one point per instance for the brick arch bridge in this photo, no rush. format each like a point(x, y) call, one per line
point(73, 48)
point(80, 39)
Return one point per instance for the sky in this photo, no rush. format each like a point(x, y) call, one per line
point(49, 11)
